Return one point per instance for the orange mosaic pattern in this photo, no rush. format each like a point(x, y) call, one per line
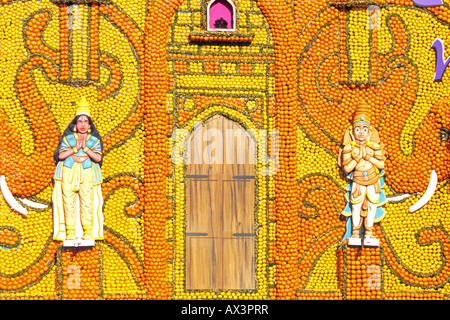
point(332, 78)
point(303, 66)
point(40, 94)
point(81, 274)
point(360, 275)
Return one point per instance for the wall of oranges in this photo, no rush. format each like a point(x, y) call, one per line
point(207, 78)
point(346, 63)
point(54, 54)
point(303, 66)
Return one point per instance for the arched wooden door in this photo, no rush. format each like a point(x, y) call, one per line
point(220, 213)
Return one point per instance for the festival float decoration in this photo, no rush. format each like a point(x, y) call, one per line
point(289, 76)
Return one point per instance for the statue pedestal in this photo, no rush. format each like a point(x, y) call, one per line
point(354, 242)
point(78, 243)
point(368, 242)
point(371, 242)
point(360, 272)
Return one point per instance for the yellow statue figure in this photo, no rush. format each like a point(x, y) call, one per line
point(78, 174)
point(362, 159)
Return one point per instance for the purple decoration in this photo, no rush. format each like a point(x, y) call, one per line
point(221, 9)
point(428, 3)
point(441, 65)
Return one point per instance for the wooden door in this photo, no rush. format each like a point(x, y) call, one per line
point(220, 197)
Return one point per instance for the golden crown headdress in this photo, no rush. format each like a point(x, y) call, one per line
point(362, 114)
point(83, 107)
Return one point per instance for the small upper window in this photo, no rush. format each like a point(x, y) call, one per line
point(221, 15)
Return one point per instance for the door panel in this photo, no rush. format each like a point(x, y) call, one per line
point(238, 207)
point(203, 206)
point(220, 211)
point(238, 263)
point(203, 256)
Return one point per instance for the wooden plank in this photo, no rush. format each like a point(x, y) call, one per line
point(238, 263)
point(203, 210)
point(220, 208)
point(203, 259)
point(195, 159)
point(238, 207)
point(240, 150)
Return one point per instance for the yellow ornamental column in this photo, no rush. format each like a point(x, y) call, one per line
point(79, 28)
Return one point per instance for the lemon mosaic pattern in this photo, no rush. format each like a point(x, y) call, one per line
point(31, 268)
point(238, 76)
point(235, 81)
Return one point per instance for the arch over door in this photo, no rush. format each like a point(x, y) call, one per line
point(220, 198)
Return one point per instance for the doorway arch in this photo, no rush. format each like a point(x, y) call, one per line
point(220, 206)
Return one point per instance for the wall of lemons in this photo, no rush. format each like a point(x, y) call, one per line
point(295, 68)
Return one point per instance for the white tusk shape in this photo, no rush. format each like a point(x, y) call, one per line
point(428, 193)
point(399, 198)
point(9, 197)
point(33, 204)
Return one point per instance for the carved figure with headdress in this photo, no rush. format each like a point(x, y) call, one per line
point(362, 158)
point(78, 179)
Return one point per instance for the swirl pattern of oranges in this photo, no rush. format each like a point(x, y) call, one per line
point(296, 70)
